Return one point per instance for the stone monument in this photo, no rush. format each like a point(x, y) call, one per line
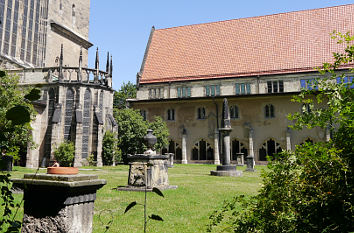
point(58, 203)
point(226, 169)
point(148, 170)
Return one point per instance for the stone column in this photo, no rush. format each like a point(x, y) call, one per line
point(58, 203)
point(184, 147)
point(216, 148)
point(227, 153)
point(288, 139)
point(250, 158)
point(250, 145)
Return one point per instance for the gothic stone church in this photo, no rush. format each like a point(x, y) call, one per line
point(46, 42)
point(257, 63)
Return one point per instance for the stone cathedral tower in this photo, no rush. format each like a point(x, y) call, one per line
point(46, 42)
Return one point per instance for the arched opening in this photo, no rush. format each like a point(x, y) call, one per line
point(48, 133)
point(69, 105)
point(174, 148)
point(269, 148)
point(236, 148)
point(202, 150)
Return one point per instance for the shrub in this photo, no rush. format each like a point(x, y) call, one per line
point(110, 149)
point(65, 154)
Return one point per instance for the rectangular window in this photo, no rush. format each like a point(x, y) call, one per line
point(242, 88)
point(275, 86)
point(171, 114)
point(212, 90)
point(183, 92)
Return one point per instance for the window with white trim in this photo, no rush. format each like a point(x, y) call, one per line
point(212, 90)
point(275, 86)
point(243, 88)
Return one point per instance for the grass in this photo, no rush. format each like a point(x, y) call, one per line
point(185, 209)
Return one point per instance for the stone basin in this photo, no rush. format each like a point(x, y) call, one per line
point(63, 170)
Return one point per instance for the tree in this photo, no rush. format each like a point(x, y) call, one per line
point(65, 154)
point(127, 91)
point(110, 150)
point(16, 112)
point(132, 128)
point(311, 189)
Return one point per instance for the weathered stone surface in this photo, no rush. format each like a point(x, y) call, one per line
point(59, 203)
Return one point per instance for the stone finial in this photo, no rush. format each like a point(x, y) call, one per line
point(97, 67)
point(107, 64)
point(225, 122)
point(111, 67)
point(79, 78)
point(97, 60)
point(61, 76)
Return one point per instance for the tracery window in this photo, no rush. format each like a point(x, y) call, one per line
point(269, 148)
point(173, 147)
point(238, 147)
point(202, 150)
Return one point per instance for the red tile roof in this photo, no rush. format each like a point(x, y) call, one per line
point(280, 43)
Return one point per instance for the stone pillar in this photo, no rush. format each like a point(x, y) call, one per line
point(99, 145)
point(250, 141)
point(288, 139)
point(216, 148)
point(184, 147)
point(58, 203)
point(57, 135)
point(250, 158)
point(226, 148)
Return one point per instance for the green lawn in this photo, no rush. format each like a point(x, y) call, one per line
point(185, 209)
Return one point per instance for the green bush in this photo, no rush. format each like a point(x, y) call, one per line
point(312, 189)
point(65, 154)
point(110, 149)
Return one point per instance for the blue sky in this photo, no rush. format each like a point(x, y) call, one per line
point(123, 27)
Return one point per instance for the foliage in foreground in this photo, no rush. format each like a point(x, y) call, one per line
point(311, 190)
point(16, 112)
point(127, 91)
point(132, 128)
point(65, 154)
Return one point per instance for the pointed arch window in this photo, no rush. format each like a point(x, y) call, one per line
point(269, 148)
point(236, 148)
point(86, 120)
point(69, 105)
point(175, 148)
point(202, 150)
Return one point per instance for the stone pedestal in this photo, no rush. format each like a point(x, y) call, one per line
point(152, 169)
point(250, 164)
point(170, 159)
point(58, 203)
point(226, 170)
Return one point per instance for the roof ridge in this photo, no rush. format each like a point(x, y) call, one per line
point(259, 16)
